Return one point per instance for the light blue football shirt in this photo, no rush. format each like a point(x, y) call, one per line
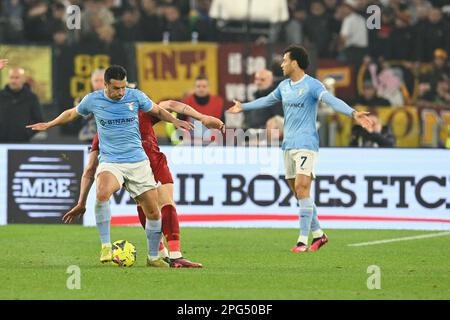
point(300, 103)
point(117, 124)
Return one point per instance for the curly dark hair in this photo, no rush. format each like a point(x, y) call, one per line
point(299, 54)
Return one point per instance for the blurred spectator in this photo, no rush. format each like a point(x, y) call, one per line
point(294, 27)
point(431, 35)
point(58, 25)
point(183, 6)
point(19, 107)
point(334, 25)
point(419, 10)
point(58, 16)
point(375, 136)
point(201, 22)
point(317, 28)
point(369, 97)
point(354, 36)
point(379, 39)
point(151, 22)
point(274, 128)
point(94, 16)
point(59, 37)
point(439, 69)
point(174, 25)
point(401, 39)
point(12, 12)
point(128, 28)
point(443, 92)
point(256, 119)
point(204, 102)
point(440, 97)
point(37, 22)
point(389, 84)
point(89, 127)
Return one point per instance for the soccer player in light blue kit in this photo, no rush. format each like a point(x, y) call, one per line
point(122, 158)
point(300, 95)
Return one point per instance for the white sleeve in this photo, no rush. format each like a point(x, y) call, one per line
point(346, 28)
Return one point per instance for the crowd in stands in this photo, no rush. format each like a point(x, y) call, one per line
point(415, 32)
point(410, 29)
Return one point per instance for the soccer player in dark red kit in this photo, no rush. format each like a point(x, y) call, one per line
point(158, 163)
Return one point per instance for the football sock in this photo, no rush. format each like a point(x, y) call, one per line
point(317, 234)
point(171, 230)
point(103, 221)
point(306, 214)
point(141, 215)
point(163, 253)
point(315, 225)
point(153, 231)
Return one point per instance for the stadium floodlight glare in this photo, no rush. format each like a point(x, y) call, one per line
point(273, 11)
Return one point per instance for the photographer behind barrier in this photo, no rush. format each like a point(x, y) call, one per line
point(375, 136)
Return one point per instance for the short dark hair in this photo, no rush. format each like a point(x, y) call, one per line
point(201, 77)
point(299, 54)
point(115, 72)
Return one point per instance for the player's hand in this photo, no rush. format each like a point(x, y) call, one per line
point(180, 124)
point(213, 123)
point(77, 211)
point(3, 63)
point(236, 108)
point(42, 126)
point(363, 119)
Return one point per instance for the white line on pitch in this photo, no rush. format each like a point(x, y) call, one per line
point(424, 236)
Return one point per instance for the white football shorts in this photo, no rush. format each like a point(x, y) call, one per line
point(300, 161)
point(136, 177)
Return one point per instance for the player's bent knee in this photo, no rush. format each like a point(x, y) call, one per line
point(103, 196)
point(301, 191)
point(152, 214)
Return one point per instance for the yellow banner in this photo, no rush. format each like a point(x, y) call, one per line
point(342, 75)
point(404, 124)
point(169, 71)
point(37, 62)
point(435, 127)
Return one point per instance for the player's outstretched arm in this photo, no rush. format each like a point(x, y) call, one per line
point(3, 63)
point(182, 108)
point(164, 115)
point(236, 108)
point(65, 117)
point(340, 106)
point(263, 102)
point(87, 180)
point(362, 118)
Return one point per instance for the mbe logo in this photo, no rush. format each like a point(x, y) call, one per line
point(42, 185)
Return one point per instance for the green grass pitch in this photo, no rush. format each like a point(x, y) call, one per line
point(238, 264)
